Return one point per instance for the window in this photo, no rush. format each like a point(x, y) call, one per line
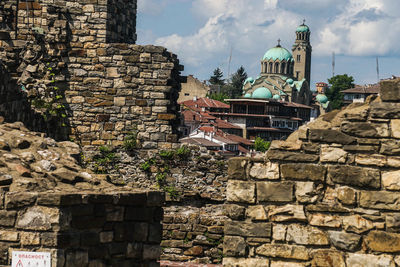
point(187, 94)
point(298, 58)
point(297, 74)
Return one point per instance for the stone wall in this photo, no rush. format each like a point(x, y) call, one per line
point(81, 229)
point(107, 90)
point(328, 196)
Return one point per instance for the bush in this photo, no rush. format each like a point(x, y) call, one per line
point(261, 145)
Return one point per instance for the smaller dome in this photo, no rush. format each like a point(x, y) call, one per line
point(303, 28)
point(248, 95)
point(290, 81)
point(262, 92)
point(249, 80)
point(277, 97)
point(322, 98)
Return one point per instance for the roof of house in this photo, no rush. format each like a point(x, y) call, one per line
point(199, 141)
point(239, 139)
point(204, 102)
point(189, 114)
point(225, 140)
point(225, 125)
point(364, 89)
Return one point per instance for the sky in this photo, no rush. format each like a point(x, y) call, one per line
point(204, 33)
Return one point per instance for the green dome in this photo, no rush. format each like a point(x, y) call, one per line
point(249, 80)
point(303, 28)
point(322, 98)
point(277, 97)
point(290, 81)
point(248, 95)
point(262, 92)
point(278, 52)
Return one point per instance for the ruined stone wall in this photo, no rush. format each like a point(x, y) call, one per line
point(328, 196)
point(83, 229)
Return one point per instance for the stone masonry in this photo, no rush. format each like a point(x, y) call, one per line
point(328, 196)
point(108, 89)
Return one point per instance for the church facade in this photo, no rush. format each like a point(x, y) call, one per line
point(284, 75)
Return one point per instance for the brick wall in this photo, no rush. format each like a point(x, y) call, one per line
point(328, 196)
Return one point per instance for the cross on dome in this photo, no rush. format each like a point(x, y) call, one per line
point(279, 42)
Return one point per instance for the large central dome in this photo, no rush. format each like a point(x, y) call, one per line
point(279, 53)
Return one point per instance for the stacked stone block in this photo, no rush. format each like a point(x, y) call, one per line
point(192, 234)
point(328, 196)
point(78, 229)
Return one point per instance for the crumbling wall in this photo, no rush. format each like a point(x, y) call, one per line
point(327, 196)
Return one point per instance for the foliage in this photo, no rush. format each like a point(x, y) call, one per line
point(261, 145)
point(52, 102)
point(166, 154)
point(219, 96)
point(237, 81)
point(105, 160)
point(130, 141)
point(217, 77)
point(183, 152)
point(338, 83)
point(147, 164)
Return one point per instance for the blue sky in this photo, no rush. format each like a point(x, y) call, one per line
point(203, 32)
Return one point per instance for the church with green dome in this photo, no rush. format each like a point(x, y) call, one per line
point(284, 75)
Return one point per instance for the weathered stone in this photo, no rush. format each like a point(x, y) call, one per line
point(390, 90)
point(298, 171)
point(325, 220)
point(385, 110)
point(391, 180)
point(287, 264)
point(380, 200)
point(357, 176)
point(256, 213)
point(24, 172)
point(16, 200)
point(235, 212)
point(7, 218)
point(356, 224)
point(395, 127)
point(249, 262)
point(393, 222)
point(345, 241)
point(237, 168)
point(306, 235)
point(331, 136)
point(361, 149)
point(368, 260)
point(291, 156)
point(327, 258)
point(253, 229)
point(325, 207)
point(279, 232)
point(380, 241)
point(265, 171)
point(306, 192)
point(240, 191)
point(283, 251)
point(235, 246)
point(77, 258)
point(375, 160)
point(390, 147)
point(38, 218)
point(285, 145)
point(366, 129)
point(12, 236)
point(287, 213)
point(274, 192)
point(333, 154)
point(346, 195)
point(194, 251)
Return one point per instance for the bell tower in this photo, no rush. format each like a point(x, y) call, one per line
point(301, 51)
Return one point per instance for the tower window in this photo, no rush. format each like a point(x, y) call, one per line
point(298, 58)
point(297, 74)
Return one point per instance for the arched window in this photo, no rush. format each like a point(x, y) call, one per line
point(276, 67)
point(283, 66)
point(270, 67)
point(288, 69)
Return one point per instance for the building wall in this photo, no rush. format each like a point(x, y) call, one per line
point(326, 197)
point(193, 88)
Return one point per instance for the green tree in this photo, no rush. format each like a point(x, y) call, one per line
point(261, 145)
point(217, 77)
point(219, 96)
point(338, 83)
point(237, 81)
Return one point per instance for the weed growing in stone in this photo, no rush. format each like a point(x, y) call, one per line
point(105, 160)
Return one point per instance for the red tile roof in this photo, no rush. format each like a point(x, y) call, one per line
point(239, 139)
point(198, 116)
point(199, 141)
point(204, 102)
